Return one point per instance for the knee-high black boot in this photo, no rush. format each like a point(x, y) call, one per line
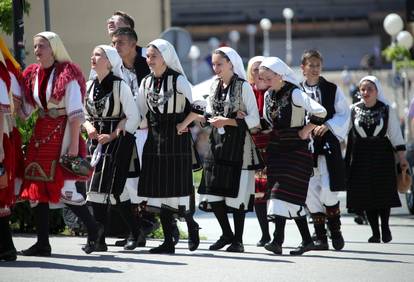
point(333, 214)
point(125, 210)
point(237, 244)
point(167, 247)
point(307, 243)
point(261, 214)
point(100, 215)
point(372, 216)
point(385, 227)
point(278, 236)
point(95, 230)
point(220, 211)
point(42, 246)
point(321, 242)
point(7, 250)
point(193, 232)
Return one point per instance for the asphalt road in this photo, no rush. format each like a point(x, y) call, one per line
point(358, 261)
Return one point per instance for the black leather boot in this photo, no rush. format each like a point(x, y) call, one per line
point(333, 215)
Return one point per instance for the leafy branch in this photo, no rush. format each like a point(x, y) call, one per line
point(6, 14)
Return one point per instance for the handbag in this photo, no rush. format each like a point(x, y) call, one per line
point(76, 165)
point(404, 179)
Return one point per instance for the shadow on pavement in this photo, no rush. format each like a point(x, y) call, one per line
point(51, 265)
point(376, 253)
point(216, 255)
point(355, 258)
point(390, 243)
point(114, 258)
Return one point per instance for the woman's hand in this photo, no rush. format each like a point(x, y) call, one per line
point(92, 133)
point(218, 121)
point(404, 164)
point(121, 127)
point(181, 128)
point(320, 130)
point(104, 138)
point(304, 134)
point(73, 150)
point(241, 114)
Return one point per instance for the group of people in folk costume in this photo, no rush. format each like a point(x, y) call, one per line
point(270, 135)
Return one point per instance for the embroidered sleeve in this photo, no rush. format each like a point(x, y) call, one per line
point(394, 131)
point(15, 86)
point(73, 101)
point(316, 110)
point(184, 87)
point(252, 118)
point(339, 123)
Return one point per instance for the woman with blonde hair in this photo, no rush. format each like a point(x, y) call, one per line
point(55, 87)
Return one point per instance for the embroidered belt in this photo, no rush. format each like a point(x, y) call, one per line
point(53, 112)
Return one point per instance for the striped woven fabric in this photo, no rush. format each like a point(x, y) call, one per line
point(289, 166)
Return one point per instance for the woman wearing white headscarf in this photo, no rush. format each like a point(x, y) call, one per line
point(109, 100)
point(260, 138)
point(374, 137)
point(227, 184)
point(289, 160)
point(56, 87)
point(166, 181)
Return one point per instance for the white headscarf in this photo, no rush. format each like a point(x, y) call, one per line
point(168, 54)
point(250, 64)
point(59, 50)
point(278, 66)
point(380, 91)
point(114, 59)
point(235, 60)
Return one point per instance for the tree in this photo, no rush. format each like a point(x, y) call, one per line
point(6, 14)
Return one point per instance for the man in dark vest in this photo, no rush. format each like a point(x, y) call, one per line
point(329, 167)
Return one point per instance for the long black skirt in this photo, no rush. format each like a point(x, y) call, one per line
point(372, 179)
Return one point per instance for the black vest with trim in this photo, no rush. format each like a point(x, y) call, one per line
point(329, 145)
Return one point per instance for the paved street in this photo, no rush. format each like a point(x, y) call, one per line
point(359, 261)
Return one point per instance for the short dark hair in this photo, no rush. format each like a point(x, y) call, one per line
point(128, 20)
point(126, 31)
point(312, 53)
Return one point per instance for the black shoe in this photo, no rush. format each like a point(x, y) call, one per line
point(163, 249)
point(10, 255)
point(374, 239)
point(37, 250)
point(321, 244)
point(131, 244)
point(220, 243)
point(263, 241)
point(274, 247)
point(386, 236)
point(121, 243)
point(236, 247)
point(338, 241)
point(303, 248)
point(193, 237)
point(97, 247)
point(89, 247)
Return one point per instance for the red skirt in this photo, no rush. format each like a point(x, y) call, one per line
point(13, 164)
point(44, 176)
